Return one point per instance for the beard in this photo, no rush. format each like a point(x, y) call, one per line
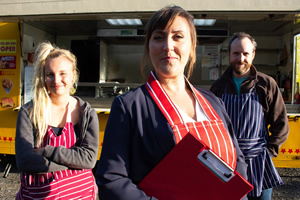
point(240, 68)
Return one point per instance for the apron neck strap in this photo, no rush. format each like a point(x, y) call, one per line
point(163, 101)
point(205, 105)
point(167, 106)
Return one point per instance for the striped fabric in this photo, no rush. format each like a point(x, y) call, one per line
point(78, 186)
point(249, 125)
point(66, 184)
point(212, 132)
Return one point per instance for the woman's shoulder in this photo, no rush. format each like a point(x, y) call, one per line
point(81, 104)
point(136, 93)
point(25, 110)
point(27, 106)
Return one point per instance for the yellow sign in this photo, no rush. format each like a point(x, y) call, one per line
point(10, 81)
point(8, 46)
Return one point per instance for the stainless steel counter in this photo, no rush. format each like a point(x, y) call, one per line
point(100, 104)
point(104, 105)
point(104, 93)
point(293, 109)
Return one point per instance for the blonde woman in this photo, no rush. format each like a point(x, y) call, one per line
point(57, 134)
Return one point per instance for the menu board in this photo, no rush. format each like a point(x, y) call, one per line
point(210, 62)
point(9, 66)
point(7, 74)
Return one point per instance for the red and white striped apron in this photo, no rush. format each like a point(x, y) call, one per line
point(211, 132)
point(66, 184)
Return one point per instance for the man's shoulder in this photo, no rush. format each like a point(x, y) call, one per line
point(264, 78)
point(218, 85)
point(220, 80)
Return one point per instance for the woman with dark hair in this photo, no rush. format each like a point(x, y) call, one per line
point(146, 123)
point(57, 134)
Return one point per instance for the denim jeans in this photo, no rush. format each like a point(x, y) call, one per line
point(265, 195)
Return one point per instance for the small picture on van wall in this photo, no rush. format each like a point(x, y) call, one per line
point(7, 84)
point(7, 62)
point(7, 102)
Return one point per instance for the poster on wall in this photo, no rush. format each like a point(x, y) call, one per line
point(210, 62)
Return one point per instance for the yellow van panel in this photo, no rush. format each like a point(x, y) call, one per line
point(102, 117)
point(289, 152)
point(8, 120)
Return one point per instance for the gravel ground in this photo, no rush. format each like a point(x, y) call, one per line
point(9, 186)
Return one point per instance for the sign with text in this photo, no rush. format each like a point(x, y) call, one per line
point(10, 66)
point(8, 46)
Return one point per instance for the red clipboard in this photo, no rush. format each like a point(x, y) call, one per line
point(191, 171)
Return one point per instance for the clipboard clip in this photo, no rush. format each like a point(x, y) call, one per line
point(216, 165)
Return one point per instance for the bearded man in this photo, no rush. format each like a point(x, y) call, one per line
point(256, 108)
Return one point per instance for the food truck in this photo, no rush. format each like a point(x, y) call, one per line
point(109, 54)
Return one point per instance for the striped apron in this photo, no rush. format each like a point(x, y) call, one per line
point(66, 184)
point(250, 128)
point(211, 132)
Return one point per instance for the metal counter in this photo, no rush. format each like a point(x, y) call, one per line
point(101, 105)
point(293, 109)
point(104, 105)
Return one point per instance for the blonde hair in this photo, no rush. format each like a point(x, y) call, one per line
point(40, 113)
point(163, 19)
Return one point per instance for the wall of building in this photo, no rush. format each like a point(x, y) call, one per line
point(37, 7)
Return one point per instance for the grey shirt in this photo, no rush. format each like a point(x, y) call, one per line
point(82, 156)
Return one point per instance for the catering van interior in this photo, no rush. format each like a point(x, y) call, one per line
point(110, 55)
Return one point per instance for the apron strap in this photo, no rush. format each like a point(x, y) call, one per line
point(205, 105)
point(251, 147)
point(163, 101)
point(169, 109)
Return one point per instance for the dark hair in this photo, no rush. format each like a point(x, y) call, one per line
point(241, 35)
point(163, 19)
